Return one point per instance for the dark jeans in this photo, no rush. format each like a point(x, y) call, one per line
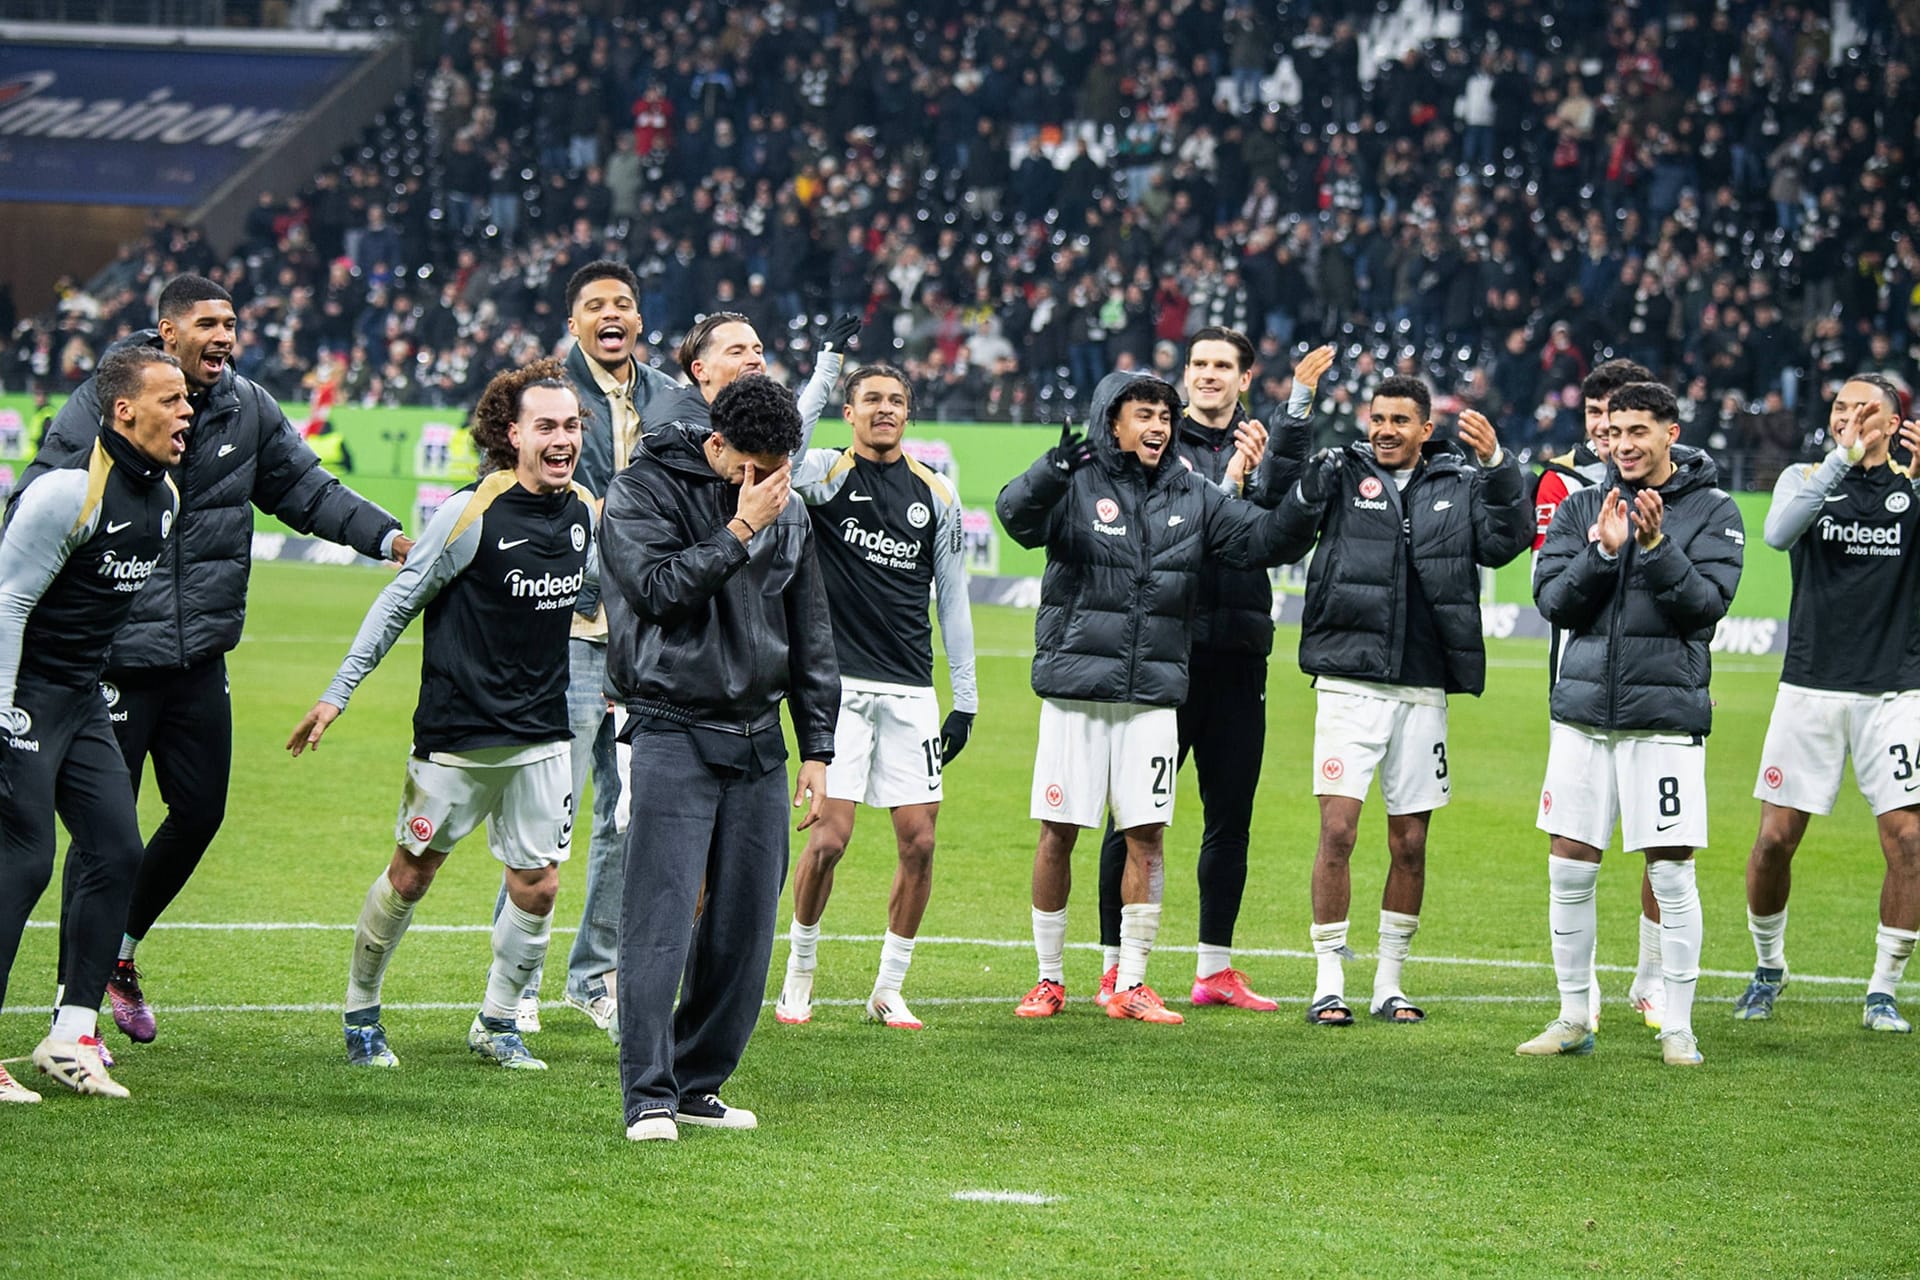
point(67, 763)
point(1224, 724)
point(729, 833)
point(184, 720)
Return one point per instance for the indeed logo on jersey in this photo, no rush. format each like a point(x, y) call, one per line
point(551, 590)
point(127, 575)
point(1861, 539)
point(882, 548)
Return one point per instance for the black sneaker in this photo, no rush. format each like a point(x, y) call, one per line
point(708, 1112)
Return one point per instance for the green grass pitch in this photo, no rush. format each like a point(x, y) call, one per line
point(1238, 1145)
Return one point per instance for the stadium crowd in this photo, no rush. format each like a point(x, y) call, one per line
point(1025, 195)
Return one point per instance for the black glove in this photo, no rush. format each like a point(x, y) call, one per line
point(840, 332)
point(1321, 479)
point(1072, 453)
point(954, 734)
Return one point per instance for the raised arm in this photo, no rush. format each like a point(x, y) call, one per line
point(1798, 495)
point(647, 556)
point(1502, 522)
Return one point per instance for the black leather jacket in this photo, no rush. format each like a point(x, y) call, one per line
point(701, 629)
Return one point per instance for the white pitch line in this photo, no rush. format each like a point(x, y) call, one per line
point(1000, 944)
point(1005, 1197)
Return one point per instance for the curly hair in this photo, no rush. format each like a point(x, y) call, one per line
point(499, 405)
point(1400, 387)
point(757, 415)
point(1151, 389)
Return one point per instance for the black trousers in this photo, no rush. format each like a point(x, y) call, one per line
point(1223, 723)
point(69, 764)
point(184, 721)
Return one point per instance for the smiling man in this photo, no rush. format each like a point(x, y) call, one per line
point(497, 572)
point(80, 545)
point(1638, 570)
point(1128, 534)
point(166, 675)
point(1403, 524)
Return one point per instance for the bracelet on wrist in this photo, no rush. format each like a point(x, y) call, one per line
point(743, 520)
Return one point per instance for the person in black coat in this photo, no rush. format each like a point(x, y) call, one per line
point(1404, 524)
point(1638, 570)
point(1127, 539)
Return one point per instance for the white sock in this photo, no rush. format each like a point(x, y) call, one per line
point(1329, 941)
point(383, 921)
point(1682, 933)
point(127, 945)
point(896, 953)
point(1109, 958)
point(71, 1021)
point(802, 939)
point(1050, 943)
point(519, 947)
point(1139, 926)
point(1769, 939)
point(1575, 921)
point(1894, 946)
point(1396, 941)
point(1649, 967)
point(1212, 960)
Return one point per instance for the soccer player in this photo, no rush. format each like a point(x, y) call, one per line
point(167, 671)
point(888, 533)
point(1583, 467)
point(1850, 687)
point(717, 614)
point(497, 572)
point(1638, 570)
point(1232, 636)
point(1127, 534)
point(1404, 523)
point(723, 347)
point(81, 542)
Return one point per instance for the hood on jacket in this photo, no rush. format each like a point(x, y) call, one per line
point(1100, 429)
point(678, 446)
point(1692, 469)
point(1445, 453)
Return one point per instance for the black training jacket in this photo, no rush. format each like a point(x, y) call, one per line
point(1234, 613)
point(698, 623)
point(241, 453)
point(1637, 656)
point(1126, 549)
point(1451, 518)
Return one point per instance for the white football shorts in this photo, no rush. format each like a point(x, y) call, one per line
point(1812, 733)
point(886, 746)
point(1355, 736)
point(1653, 784)
point(523, 794)
point(1096, 755)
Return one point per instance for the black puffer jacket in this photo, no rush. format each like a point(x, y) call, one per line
point(241, 453)
point(696, 621)
point(1234, 613)
point(1126, 548)
point(1451, 518)
point(1637, 656)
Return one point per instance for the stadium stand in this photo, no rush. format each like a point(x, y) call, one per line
point(1020, 197)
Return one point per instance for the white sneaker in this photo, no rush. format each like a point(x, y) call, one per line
point(603, 1009)
point(795, 1005)
point(707, 1111)
point(1679, 1049)
point(654, 1126)
point(526, 1015)
point(77, 1066)
point(889, 1008)
point(12, 1090)
point(1650, 1001)
point(1561, 1037)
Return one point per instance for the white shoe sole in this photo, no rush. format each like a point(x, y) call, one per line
point(601, 1021)
point(653, 1129)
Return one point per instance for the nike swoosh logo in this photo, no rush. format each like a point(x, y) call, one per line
point(1442, 505)
point(508, 546)
point(1911, 786)
point(859, 497)
point(115, 528)
point(225, 449)
point(1836, 497)
point(1667, 826)
point(1174, 520)
point(1564, 933)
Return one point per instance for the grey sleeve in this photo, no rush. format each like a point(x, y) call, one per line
point(956, 608)
point(42, 532)
point(431, 564)
point(810, 468)
point(814, 396)
point(1798, 495)
point(593, 548)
